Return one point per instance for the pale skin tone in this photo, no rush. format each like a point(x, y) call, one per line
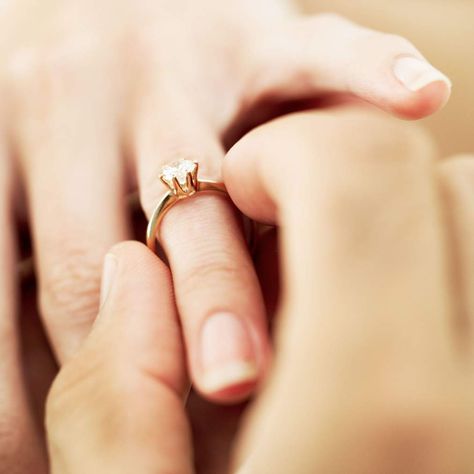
point(95, 102)
point(374, 369)
point(69, 309)
point(442, 29)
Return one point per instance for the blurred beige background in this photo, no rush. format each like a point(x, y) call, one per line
point(444, 31)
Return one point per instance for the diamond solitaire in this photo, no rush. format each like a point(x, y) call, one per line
point(181, 177)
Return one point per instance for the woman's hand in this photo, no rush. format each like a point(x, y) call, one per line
point(99, 95)
point(374, 350)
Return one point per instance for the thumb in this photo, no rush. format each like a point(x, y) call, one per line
point(117, 407)
point(327, 54)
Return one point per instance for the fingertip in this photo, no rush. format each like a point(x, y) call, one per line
point(234, 394)
point(403, 84)
point(425, 88)
point(423, 103)
point(243, 180)
point(232, 358)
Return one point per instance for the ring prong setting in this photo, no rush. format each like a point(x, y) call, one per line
point(181, 177)
point(182, 180)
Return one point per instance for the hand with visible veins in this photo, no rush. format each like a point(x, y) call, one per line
point(373, 368)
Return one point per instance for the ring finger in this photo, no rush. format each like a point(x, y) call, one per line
point(217, 291)
point(68, 120)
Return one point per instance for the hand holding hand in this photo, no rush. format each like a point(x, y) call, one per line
point(373, 371)
point(99, 95)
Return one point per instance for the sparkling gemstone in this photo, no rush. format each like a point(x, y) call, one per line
point(179, 170)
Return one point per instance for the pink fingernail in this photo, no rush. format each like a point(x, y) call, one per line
point(415, 74)
point(228, 356)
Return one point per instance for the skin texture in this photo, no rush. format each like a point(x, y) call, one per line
point(374, 363)
point(442, 30)
point(97, 102)
point(375, 338)
point(26, 377)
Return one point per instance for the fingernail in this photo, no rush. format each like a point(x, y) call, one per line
point(415, 74)
point(108, 274)
point(227, 353)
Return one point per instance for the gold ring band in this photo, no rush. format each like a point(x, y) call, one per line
point(181, 177)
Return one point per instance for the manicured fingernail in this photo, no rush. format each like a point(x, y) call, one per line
point(227, 353)
point(108, 274)
point(415, 74)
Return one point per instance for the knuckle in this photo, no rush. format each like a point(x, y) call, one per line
point(69, 287)
point(200, 264)
point(12, 440)
point(403, 141)
point(52, 68)
point(9, 434)
point(208, 272)
point(331, 20)
point(357, 181)
point(389, 139)
point(395, 42)
point(81, 53)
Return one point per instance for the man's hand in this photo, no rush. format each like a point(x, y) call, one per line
point(374, 350)
point(118, 406)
